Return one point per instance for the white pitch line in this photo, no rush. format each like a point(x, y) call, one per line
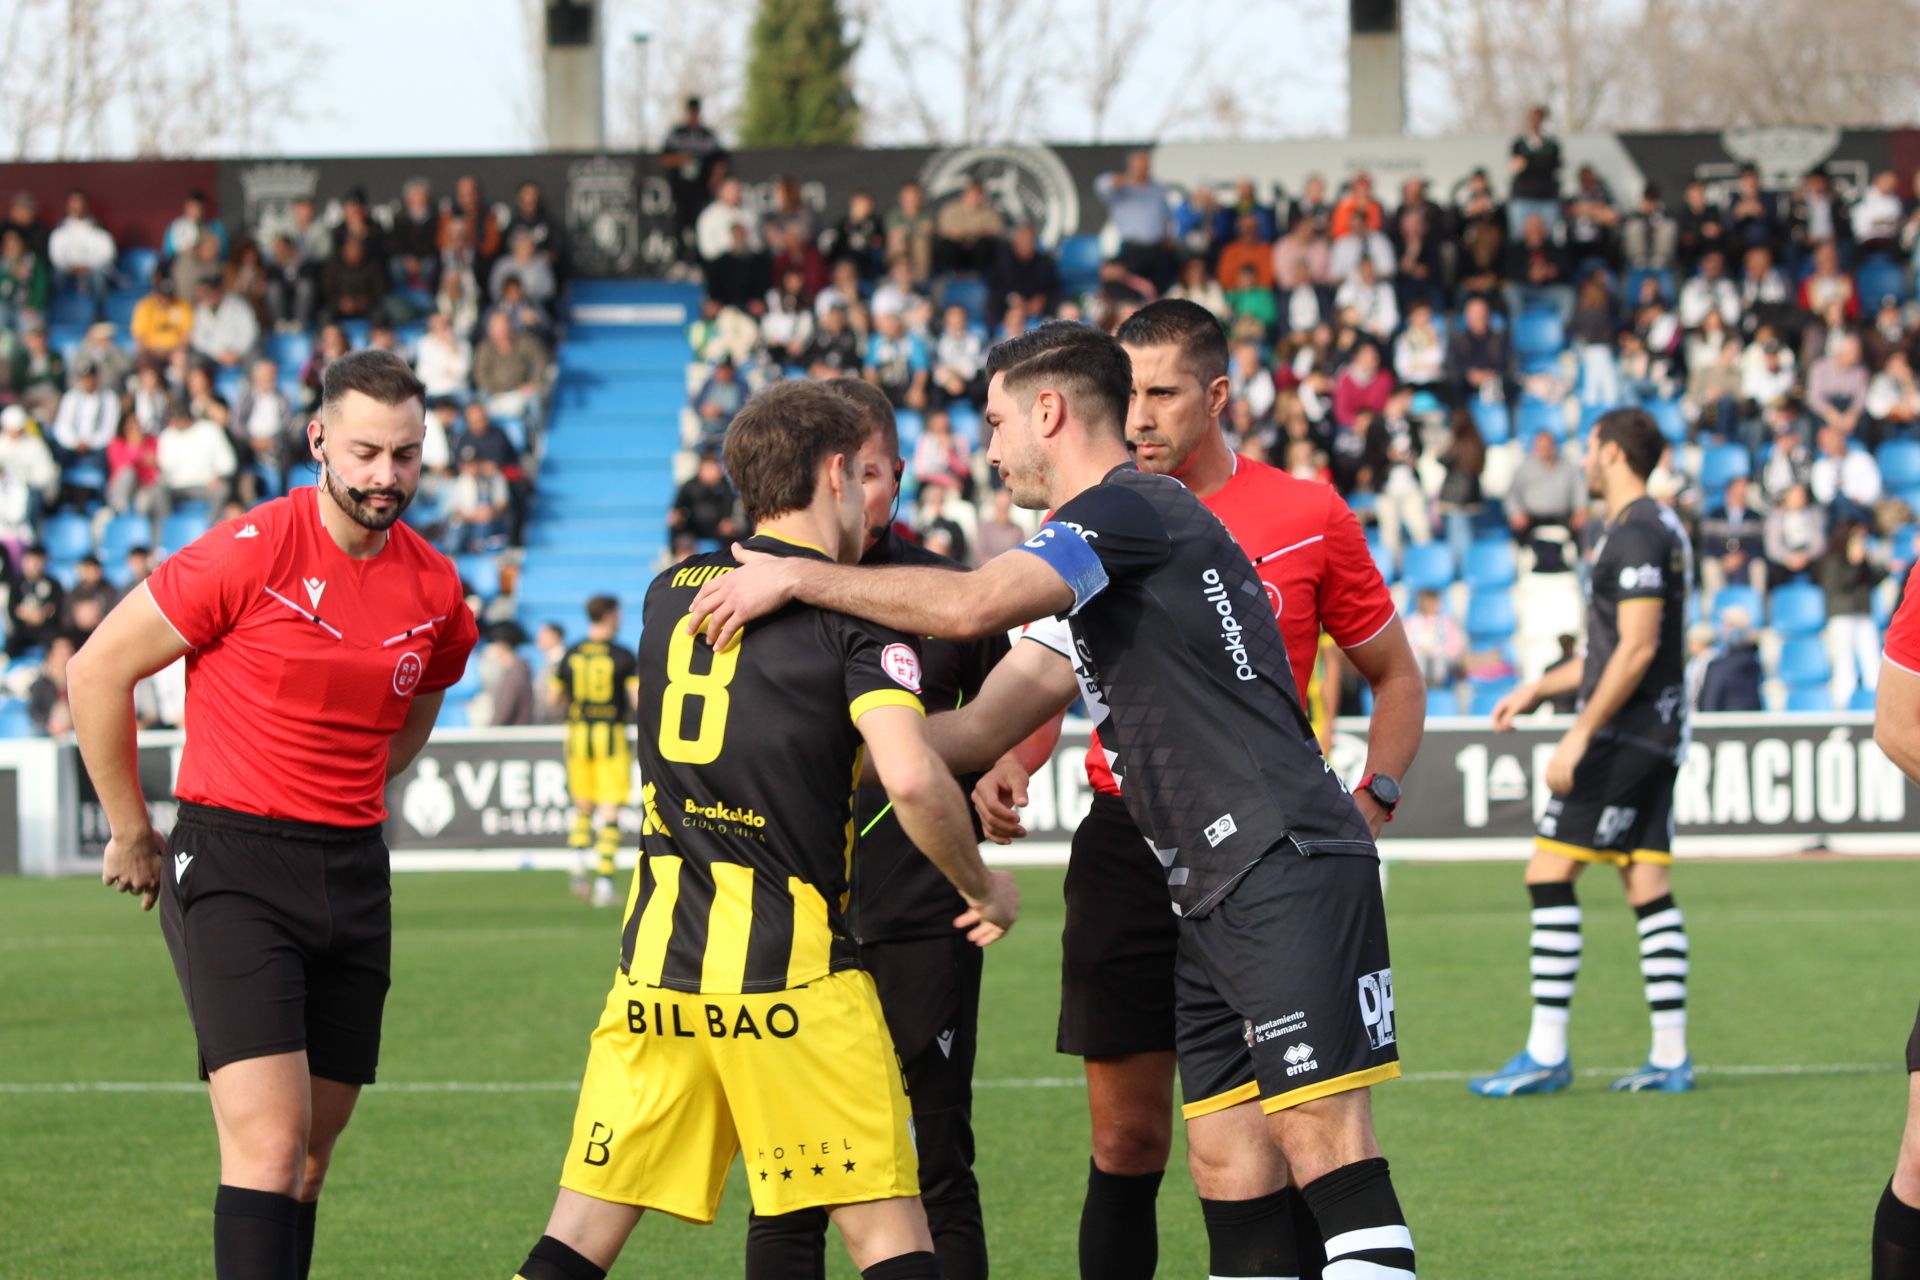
point(67, 1087)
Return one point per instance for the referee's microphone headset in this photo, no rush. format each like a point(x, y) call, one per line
point(320, 443)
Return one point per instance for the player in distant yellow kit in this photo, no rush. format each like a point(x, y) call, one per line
point(596, 685)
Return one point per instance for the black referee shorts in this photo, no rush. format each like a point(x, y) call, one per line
point(281, 934)
point(1118, 947)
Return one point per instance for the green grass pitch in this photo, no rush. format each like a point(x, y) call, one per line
point(1803, 992)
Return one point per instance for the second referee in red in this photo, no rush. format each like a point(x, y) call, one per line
point(320, 636)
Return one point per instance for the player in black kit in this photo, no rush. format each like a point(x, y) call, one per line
point(900, 913)
point(1612, 775)
point(1284, 987)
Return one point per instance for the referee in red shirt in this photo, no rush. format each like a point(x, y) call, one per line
point(320, 635)
point(1117, 990)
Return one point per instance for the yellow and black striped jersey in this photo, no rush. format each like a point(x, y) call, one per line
point(596, 677)
point(748, 761)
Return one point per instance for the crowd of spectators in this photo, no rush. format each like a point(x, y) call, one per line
point(146, 391)
point(1436, 356)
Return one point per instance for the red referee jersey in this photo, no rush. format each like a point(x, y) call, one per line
point(1307, 547)
point(305, 660)
point(1902, 645)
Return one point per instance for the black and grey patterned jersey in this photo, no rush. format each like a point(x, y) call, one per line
point(1172, 629)
point(1644, 555)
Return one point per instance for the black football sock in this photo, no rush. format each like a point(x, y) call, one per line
point(905, 1266)
point(1251, 1238)
point(1306, 1235)
point(787, 1246)
point(1119, 1238)
point(304, 1220)
point(1896, 1239)
point(551, 1260)
point(1360, 1220)
point(253, 1234)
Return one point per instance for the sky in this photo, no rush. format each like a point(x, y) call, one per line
point(456, 76)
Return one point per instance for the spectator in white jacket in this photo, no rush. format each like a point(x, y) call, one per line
point(1711, 290)
point(713, 230)
point(88, 416)
point(29, 477)
point(81, 252)
point(224, 326)
point(1877, 214)
point(444, 361)
point(196, 460)
point(1371, 298)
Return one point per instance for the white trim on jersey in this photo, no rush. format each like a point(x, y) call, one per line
point(310, 617)
point(169, 621)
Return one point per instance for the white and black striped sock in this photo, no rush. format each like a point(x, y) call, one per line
point(1366, 1234)
point(1664, 966)
point(1554, 964)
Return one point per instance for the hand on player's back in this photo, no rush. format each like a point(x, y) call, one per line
point(988, 920)
point(998, 797)
point(730, 601)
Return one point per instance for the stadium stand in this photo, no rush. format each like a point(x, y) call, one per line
point(571, 418)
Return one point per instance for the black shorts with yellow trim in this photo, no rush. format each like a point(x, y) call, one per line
point(1620, 810)
point(599, 763)
point(1284, 991)
point(805, 1082)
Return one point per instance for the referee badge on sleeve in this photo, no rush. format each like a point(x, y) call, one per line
point(903, 664)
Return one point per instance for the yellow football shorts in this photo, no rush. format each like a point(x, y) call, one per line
point(804, 1082)
point(600, 779)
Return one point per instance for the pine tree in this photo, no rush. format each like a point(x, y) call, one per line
point(799, 77)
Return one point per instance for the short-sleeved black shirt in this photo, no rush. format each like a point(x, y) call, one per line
point(748, 762)
point(898, 895)
point(1644, 555)
point(1175, 633)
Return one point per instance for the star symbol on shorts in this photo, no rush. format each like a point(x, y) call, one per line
point(786, 1175)
point(817, 1171)
point(849, 1166)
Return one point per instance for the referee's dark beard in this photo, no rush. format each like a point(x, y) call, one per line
point(364, 516)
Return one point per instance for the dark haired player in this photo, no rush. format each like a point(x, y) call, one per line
point(740, 1021)
point(319, 635)
point(900, 913)
point(1612, 774)
point(595, 683)
point(1117, 966)
point(1284, 990)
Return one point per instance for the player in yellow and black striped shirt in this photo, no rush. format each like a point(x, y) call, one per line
point(739, 1020)
point(596, 685)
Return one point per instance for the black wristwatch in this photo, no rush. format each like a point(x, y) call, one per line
point(1384, 789)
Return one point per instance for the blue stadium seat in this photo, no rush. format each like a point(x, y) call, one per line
point(1490, 618)
point(1382, 559)
point(14, 720)
point(1537, 416)
point(1667, 415)
point(1803, 662)
point(290, 351)
point(1743, 596)
point(1904, 539)
point(1879, 278)
point(1538, 335)
point(453, 713)
point(1079, 260)
point(1442, 702)
point(1483, 695)
point(1428, 566)
point(1631, 294)
point(357, 331)
point(481, 572)
point(1899, 464)
point(67, 536)
point(182, 527)
point(467, 685)
point(1720, 464)
point(1490, 563)
point(969, 292)
point(1798, 609)
point(137, 264)
point(965, 420)
point(1494, 419)
point(910, 424)
point(1814, 698)
point(1862, 699)
point(123, 534)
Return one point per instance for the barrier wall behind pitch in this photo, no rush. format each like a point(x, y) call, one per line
point(1750, 786)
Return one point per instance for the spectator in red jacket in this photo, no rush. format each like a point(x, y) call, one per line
point(1362, 385)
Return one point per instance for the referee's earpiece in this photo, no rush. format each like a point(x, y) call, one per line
point(320, 443)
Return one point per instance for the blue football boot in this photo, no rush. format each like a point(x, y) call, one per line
point(1652, 1079)
point(1522, 1076)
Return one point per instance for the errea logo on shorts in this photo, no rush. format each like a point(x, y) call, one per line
point(1646, 577)
point(903, 664)
point(1300, 1059)
point(1376, 1007)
